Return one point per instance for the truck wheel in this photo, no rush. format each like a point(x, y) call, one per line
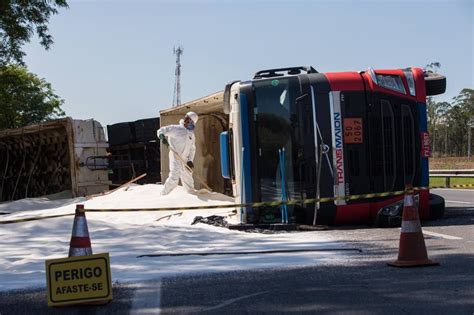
point(436, 207)
point(435, 84)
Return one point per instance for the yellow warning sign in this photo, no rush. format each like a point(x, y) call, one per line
point(78, 279)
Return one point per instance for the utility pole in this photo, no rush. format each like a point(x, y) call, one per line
point(470, 124)
point(178, 51)
point(446, 141)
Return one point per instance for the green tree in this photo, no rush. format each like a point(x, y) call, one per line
point(448, 122)
point(431, 104)
point(436, 112)
point(434, 67)
point(465, 99)
point(461, 112)
point(25, 98)
point(21, 19)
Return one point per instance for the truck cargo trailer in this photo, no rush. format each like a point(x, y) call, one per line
point(63, 155)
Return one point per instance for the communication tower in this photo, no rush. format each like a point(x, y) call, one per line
point(178, 51)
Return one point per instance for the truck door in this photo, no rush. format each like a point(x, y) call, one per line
point(354, 109)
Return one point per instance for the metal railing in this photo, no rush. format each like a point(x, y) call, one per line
point(447, 174)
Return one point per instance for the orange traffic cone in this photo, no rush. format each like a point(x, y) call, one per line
point(412, 250)
point(80, 242)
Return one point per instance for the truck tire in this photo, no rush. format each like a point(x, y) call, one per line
point(435, 84)
point(436, 207)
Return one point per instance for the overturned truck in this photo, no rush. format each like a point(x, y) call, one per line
point(297, 134)
point(63, 155)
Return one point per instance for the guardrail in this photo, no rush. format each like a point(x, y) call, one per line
point(447, 174)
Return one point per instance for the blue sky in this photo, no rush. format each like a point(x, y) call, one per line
point(113, 60)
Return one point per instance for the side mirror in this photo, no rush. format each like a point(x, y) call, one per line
point(225, 155)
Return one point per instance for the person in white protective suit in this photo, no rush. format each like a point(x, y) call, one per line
point(182, 140)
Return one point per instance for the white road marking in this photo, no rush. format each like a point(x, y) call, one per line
point(448, 237)
point(230, 301)
point(453, 189)
point(463, 202)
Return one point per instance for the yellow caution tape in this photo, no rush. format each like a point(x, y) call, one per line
point(35, 218)
point(454, 186)
point(256, 204)
point(247, 205)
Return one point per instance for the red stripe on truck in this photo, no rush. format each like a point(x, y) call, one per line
point(345, 81)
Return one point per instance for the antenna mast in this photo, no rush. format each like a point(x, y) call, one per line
point(178, 51)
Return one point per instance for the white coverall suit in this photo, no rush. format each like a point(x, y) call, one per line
point(183, 142)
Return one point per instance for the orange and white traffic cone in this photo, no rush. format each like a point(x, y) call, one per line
point(412, 249)
point(80, 241)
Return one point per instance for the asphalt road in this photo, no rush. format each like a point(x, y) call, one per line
point(456, 197)
point(352, 283)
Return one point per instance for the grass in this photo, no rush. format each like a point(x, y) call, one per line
point(451, 163)
point(441, 181)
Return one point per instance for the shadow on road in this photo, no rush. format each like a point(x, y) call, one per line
point(368, 287)
point(35, 302)
point(454, 216)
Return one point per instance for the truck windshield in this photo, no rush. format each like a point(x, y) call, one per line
point(278, 129)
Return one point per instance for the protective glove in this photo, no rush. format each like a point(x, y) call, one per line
point(190, 164)
point(163, 140)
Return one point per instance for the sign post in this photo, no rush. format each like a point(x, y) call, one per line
point(78, 280)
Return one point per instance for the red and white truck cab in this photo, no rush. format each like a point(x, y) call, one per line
point(297, 134)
